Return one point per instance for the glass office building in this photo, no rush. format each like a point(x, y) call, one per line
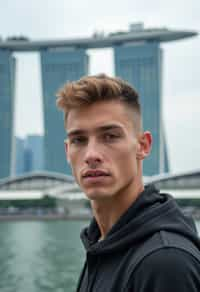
point(19, 156)
point(34, 143)
point(138, 59)
point(58, 67)
point(7, 84)
point(141, 65)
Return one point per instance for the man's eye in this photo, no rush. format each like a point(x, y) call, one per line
point(110, 137)
point(78, 140)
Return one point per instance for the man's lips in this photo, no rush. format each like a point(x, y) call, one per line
point(95, 173)
point(95, 177)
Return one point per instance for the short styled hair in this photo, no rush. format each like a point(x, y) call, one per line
point(91, 89)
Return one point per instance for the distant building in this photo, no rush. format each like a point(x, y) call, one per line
point(141, 65)
point(138, 59)
point(28, 160)
point(29, 154)
point(7, 85)
point(19, 156)
point(34, 146)
point(57, 68)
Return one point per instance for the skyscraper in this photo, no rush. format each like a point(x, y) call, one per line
point(19, 156)
point(58, 67)
point(141, 65)
point(29, 154)
point(138, 59)
point(7, 84)
point(35, 145)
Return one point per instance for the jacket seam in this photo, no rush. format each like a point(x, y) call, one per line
point(164, 239)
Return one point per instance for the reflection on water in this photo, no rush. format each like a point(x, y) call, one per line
point(41, 256)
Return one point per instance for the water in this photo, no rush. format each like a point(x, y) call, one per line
point(41, 256)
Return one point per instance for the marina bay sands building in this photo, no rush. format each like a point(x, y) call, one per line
point(138, 59)
point(57, 68)
point(141, 65)
point(7, 85)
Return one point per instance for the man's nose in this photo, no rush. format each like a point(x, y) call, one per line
point(93, 154)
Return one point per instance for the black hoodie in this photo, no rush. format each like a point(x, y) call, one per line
point(153, 247)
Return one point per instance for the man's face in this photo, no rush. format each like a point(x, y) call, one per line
point(102, 148)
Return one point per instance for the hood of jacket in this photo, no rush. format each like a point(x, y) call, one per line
point(150, 213)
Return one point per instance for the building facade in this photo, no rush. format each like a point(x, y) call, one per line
point(19, 156)
point(58, 67)
point(34, 145)
point(7, 85)
point(141, 65)
point(29, 154)
point(138, 59)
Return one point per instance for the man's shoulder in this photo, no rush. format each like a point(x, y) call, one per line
point(169, 260)
point(164, 248)
point(167, 269)
point(164, 239)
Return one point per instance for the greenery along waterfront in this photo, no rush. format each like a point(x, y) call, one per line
point(44, 202)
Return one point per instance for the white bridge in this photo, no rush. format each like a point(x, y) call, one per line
point(182, 185)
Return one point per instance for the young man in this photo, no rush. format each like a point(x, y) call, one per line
point(138, 240)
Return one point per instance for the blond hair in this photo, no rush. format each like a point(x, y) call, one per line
point(91, 89)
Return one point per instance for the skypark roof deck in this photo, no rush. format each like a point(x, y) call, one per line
point(97, 40)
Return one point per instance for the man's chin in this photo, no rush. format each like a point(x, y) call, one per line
point(96, 195)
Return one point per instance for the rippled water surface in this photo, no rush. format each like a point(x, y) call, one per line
point(41, 256)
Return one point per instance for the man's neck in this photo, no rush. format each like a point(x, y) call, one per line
point(108, 211)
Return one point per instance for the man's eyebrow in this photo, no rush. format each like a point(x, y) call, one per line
point(108, 127)
point(76, 132)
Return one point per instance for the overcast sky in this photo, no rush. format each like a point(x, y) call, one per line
point(50, 19)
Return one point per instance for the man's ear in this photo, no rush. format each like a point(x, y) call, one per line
point(144, 145)
point(66, 151)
